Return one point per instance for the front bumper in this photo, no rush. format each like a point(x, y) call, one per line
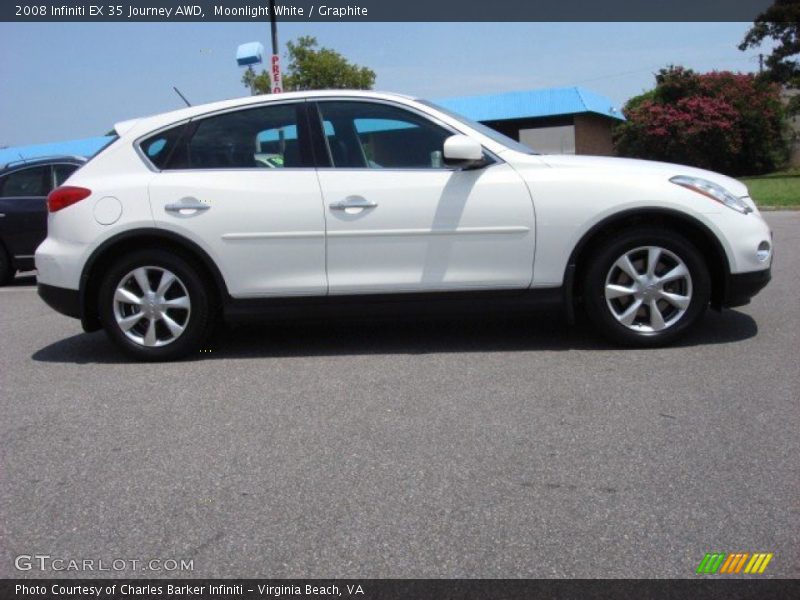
point(62, 300)
point(741, 287)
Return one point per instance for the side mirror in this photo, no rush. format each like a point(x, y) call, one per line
point(463, 151)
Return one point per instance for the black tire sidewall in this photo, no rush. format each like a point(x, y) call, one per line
point(609, 251)
point(6, 270)
point(199, 319)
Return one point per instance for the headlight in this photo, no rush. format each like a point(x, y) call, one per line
point(713, 191)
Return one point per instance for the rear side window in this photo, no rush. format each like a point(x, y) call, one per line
point(31, 182)
point(159, 148)
point(267, 137)
point(62, 172)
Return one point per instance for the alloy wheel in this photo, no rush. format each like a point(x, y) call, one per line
point(648, 289)
point(151, 306)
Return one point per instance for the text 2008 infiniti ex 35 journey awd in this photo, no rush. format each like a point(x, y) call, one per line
point(319, 201)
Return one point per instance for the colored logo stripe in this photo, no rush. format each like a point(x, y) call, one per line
point(711, 562)
point(722, 562)
point(758, 563)
point(734, 563)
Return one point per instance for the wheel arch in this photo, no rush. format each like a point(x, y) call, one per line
point(692, 228)
point(104, 255)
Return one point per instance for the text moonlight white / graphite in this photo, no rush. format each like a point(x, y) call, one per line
point(257, 11)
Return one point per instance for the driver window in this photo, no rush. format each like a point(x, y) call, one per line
point(378, 136)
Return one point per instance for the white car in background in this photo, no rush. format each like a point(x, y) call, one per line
point(373, 201)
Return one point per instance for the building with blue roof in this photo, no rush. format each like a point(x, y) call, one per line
point(85, 147)
point(569, 120)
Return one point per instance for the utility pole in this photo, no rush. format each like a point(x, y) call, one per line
point(275, 63)
point(760, 64)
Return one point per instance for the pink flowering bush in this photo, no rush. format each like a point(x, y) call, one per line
point(728, 122)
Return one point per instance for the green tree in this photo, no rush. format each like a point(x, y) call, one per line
point(257, 83)
point(310, 67)
point(780, 23)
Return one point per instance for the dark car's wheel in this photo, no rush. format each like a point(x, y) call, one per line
point(155, 306)
point(646, 287)
point(6, 270)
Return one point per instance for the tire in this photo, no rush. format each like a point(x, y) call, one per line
point(6, 270)
point(174, 315)
point(630, 304)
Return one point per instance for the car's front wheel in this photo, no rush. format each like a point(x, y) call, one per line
point(646, 287)
point(155, 306)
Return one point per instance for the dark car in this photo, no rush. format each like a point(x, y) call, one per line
point(24, 186)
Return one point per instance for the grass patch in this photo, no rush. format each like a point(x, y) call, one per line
point(776, 190)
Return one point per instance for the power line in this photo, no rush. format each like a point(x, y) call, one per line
point(655, 68)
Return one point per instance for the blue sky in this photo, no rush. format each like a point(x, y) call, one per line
point(70, 80)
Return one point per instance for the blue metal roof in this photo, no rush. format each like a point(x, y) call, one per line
point(86, 147)
point(548, 102)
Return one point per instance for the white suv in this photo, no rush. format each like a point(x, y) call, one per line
point(327, 200)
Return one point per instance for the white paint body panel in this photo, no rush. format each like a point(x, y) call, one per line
point(431, 230)
point(511, 225)
point(572, 194)
point(264, 228)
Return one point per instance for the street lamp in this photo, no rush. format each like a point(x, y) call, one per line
point(249, 54)
point(252, 53)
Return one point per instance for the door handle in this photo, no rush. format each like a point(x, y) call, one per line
point(192, 204)
point(352, 203)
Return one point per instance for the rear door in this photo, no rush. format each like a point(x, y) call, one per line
point(23, 224)
point(242, 185)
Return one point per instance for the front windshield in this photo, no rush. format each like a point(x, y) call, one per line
point(481, 128)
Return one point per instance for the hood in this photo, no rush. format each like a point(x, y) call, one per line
point(632, 166)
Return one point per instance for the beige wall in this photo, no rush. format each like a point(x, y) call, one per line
point(794, 131)
point(593, 135)
point(550, 140)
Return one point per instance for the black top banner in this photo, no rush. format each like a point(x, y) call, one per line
point(381, 10)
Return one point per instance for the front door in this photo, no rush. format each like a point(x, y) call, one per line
point(399, 220)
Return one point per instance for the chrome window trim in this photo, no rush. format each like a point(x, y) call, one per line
point(42, 166)
point(44, 160)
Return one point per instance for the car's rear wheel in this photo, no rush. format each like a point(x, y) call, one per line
point(6, 270)
point(155, 306)
point(646, 287)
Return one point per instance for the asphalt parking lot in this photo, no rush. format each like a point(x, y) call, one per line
point(506, 447)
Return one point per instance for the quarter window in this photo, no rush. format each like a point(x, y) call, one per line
point(159, 148)
point(62, 172)
point(379, 136)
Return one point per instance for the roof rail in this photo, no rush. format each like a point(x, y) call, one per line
point(48, 157)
